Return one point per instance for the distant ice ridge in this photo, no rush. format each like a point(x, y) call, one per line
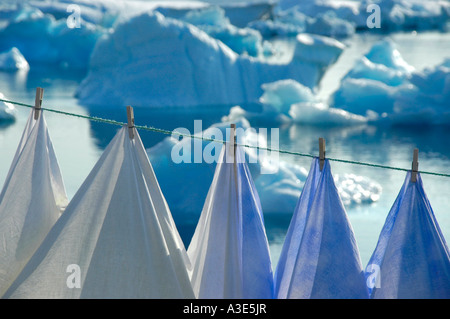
point(381, 88)
point(151, 60)
point(286, 101)
point(43, 39)
point(13, 60)
point(293, 21)
point(279, 192)
point(384, 88)
point(213, 21)
point(395, 14)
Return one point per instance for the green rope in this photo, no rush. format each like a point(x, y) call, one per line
point(159, 130)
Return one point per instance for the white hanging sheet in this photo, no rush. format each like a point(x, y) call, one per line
point(31, 200)
point(229, 250)
point(411, 259)
point(320, 258)
point(116, 238)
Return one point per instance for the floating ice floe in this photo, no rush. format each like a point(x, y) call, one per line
point(384, 88)
point(13, 60)
point(286, 101)
point(278, 182)
point(127, 65)
point(293, 21)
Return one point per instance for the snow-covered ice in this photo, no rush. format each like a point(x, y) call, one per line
point(293, 21)
point(43, 39)
point(384, 88)
point(126, 66)
point(13, 60)
point(7, 110)
point(214, 22)
point(287, 101)
point(395, 15)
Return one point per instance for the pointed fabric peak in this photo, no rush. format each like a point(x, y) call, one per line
point(57, 183)
point(229, 250)
point(319, 258)
point(411, 259)
point(30, 201)
point(116, 238)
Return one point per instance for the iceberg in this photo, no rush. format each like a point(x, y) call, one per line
point(293, 21)
point(322, 114)
point(382, 84)
point(42, 39)
point(287, 101)
point(213, 21)
point(395, 15)
point(7, 111)
point(238, 13)
point(150, 60)
point(13, 60)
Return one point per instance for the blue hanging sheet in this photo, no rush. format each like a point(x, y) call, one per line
point(320, 258)
point(411, 259)
point(229, 251)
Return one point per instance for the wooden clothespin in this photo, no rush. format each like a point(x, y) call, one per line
point(38, 102)
point(415, 165)
point(130, 116)
point(321, 152)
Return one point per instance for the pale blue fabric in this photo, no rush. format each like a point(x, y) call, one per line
point(320, 258)
point(411, 259)
point(229, 250)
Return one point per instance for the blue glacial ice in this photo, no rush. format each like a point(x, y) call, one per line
point(215, 23)
point(7, 111)
point(395, 15)
point(12, 60)
point(385, 89)
point(43, 39)
point(126, 66)
point(287, 101)
point(292, 21)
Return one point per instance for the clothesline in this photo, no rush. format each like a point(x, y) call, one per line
point(163, 131)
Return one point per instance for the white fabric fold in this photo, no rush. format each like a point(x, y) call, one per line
point(116, 238)
point(31, 200)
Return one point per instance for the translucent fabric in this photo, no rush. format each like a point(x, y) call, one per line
point(31, 200)
point(320, 258)
point(116, 238)
point(229, 250)
point(411, 259)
